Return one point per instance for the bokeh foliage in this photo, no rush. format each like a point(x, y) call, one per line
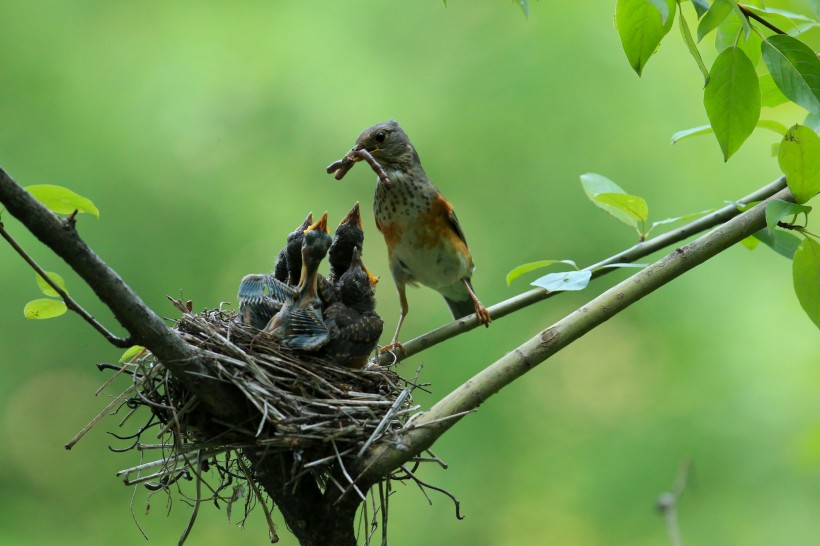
point(202, 132)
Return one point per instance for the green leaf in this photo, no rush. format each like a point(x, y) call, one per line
point(806, 276)
point(732, 99)
point(694, 131)
point(719, 10)
point(777, 209)
point(635, 207)
point(524, 5)
point(795, 69)
point(562, 282)
point(641, 29)
point(131, 353)
point(701, 7)
point(730, 32)
point(691, 46)
point(771, 95)
point(61, 200)
point(683, 218)
point(781, 241)
point(596, 184)
point(750, 242)
point(44, 308)
point(46, 288)
point(799, 158)
point(532, 266)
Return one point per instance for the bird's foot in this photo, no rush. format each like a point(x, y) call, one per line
point(483, 315)
point(393, 347)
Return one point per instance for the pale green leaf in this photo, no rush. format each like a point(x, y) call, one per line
point(44, 308)
point(750, 242)
point(566, 281)
point(632, 205)
point(806, 277)
point(718, 11)
point(812, 121)
point(795, 69)
point(61, 200)
point(777, 209)
point(46, 288)
point(132, 352)
point(799, 158)
point(532, 266)
point(595, 184)
point(732, 99)
point(730, 33)
point(694, 131)
point(641, 29)
point(792, 23)
point(662, 7)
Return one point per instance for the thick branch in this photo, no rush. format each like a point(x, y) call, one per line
point(430, 426)
point(640, 250)
point(145, 327)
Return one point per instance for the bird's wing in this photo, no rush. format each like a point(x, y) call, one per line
point(255, 288)
point(306, 329)
point(456, 226)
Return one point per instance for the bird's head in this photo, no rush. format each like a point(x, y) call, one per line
point(357, 285)
point(388, 144)
point(316, 242)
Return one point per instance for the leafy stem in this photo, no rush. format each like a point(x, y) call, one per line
point(749, 14)
point(69, 301)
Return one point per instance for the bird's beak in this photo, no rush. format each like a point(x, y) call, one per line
point(357, 260)
point(308, 221)
point(321, 225)
point(353, 216)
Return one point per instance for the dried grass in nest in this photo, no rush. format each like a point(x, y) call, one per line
point(321, 412)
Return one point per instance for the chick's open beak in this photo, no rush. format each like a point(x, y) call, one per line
point(321, 225)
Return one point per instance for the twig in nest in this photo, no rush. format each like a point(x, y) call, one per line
point(343, 165)
point(422, 485)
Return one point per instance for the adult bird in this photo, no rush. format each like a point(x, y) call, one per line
point(352, 321)
point(425, 243)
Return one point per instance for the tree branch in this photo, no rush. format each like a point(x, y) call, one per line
point(145, 327)
point(636, 252)
point(431, 425)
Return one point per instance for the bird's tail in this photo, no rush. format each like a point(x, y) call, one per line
point(460, 308)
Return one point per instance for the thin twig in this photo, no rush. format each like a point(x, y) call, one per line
point(632, 254)
point(122, 343)
point(750, 14)
point(667, 503)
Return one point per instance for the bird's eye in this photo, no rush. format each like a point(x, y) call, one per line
point(380, 136)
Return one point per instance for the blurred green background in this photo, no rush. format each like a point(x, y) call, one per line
point(202, 133)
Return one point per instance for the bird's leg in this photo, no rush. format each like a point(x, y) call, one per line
point(395, 345)
point(481, 312)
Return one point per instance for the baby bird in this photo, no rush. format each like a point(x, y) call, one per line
point(352, 321)
point(348, 236)
point(289, 262)
point(299, 323)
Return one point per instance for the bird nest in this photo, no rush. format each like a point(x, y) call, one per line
point(323, 414)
